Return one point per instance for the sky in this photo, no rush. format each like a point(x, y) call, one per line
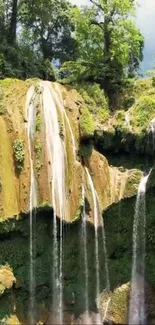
point(146, 22)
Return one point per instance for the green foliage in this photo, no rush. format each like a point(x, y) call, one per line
point(95, 100)
point(22, 62)
point(108, 51)
point(142, 113)
point(19, 154)
point(120, 117)
point(38, 122)
point(128, 102)
point(47, 24)
point(86, 124)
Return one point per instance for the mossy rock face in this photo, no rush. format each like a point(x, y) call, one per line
point(142, 113)
point(117, 302)
point(118, 221)
point(14, 248)
point(131, 124)
point(86, 124)
point(7, 278)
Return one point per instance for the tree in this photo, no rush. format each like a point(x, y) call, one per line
point(13, 22)
point(109, 43)
point(50, 27)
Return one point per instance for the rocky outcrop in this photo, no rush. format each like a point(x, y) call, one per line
point(15, 161)
point(7, 279)
point(114, 306)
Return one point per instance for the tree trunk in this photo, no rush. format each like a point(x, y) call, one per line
point(13, 23)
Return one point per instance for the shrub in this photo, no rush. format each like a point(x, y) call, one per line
point(153, 81)
point(143, 112)
point(87, 127)
point(19, 154)
point(128, 102)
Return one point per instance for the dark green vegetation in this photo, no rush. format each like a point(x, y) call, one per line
point(36, 33)
point(14, 250)
point(119, 227)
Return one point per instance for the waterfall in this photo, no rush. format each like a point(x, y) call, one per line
point(60, 103)
point(96, 224)
point(84, 238)
point(31, 117)
point(137, 302)
point(56, 154)
point(99, 222)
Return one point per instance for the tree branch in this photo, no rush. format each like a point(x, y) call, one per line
point(94, 22)
point(97, 4)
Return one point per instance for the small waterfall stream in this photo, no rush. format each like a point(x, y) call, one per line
point(137, 295)
point(56, 154)
point(59, 100)
point(31, 117)
point(96, 224)
point(98, 221)
point(84, 238)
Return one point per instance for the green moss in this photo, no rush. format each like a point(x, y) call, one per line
point(7, 82)
point(38, 122)
point(19, 154)
point(142, 113)
point(86, 124)
point(120, 117)
point(38, 148)
point(142, 86)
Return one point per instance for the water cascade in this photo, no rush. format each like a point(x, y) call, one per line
point(59, 100)
point(56, 154)
point(84, 239)
point(96, 224)
point(98, 221)
point(31, 117)
point(137, 301)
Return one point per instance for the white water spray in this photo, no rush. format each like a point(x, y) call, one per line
point(137, 295)
point(56, 154)
point(31, 117)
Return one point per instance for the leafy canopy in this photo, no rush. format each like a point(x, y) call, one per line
point(109, 43)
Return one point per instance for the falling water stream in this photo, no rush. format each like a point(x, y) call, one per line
point(59, 101)
point(31, 117)
point(96, 224)
point(99, 222)
point(84, 237)
point(137, 302)
point(56, 154)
